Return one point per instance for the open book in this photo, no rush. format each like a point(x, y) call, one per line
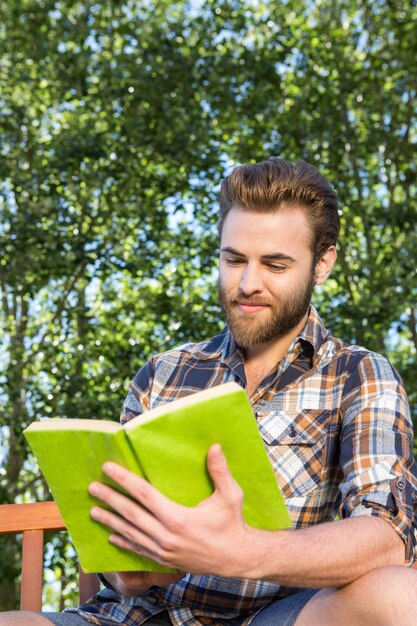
point(167, 446)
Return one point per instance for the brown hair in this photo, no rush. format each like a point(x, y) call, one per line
point(275, 184)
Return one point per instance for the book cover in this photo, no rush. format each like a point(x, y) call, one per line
point(168, 446)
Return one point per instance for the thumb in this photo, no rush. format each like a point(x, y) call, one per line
point(219, 470)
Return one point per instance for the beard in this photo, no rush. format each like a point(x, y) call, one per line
point(283, 314)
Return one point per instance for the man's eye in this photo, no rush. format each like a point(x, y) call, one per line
point(277, 268)
point(233, 261)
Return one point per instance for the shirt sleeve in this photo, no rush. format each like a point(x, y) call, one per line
point(138, 398)
point(379, 469)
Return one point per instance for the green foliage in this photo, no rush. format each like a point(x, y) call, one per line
point(119, 120)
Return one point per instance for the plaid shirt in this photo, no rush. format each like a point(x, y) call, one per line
point(334, 419)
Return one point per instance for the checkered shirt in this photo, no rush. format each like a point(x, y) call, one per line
point(335, 422)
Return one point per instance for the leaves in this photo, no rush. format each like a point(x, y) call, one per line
point(119, 120)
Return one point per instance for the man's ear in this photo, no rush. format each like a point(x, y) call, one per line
point(324, 265)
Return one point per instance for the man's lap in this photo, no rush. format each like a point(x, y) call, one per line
point(65, 619)
point(73, 619)
point(284, 612)
point(281, 613)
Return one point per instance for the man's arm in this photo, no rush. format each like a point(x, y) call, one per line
point(213, 538)
point(331, 554)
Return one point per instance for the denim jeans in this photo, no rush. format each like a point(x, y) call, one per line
point(281, 613)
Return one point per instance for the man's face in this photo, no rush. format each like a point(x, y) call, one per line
point(266, 273)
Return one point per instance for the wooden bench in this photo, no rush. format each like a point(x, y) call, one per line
point(32, 520)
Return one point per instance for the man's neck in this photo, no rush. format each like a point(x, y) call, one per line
point(268, 354)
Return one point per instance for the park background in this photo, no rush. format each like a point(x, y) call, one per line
point(118, 121)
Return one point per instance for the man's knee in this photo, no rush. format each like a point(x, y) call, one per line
point(376, 599)
point(387, 596)
point(389, 586)
point(23, 618)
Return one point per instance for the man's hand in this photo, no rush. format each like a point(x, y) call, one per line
point(211, 538)
point(130, 584)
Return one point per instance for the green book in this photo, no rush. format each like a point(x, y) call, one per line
point(168, 446)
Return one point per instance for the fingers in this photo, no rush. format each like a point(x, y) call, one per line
point(142, 549)
point(145, 535)
point(150, 498)
point(133, 521)
point(144, 525)
point(220, 473)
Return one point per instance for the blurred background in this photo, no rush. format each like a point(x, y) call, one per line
point(118, 120)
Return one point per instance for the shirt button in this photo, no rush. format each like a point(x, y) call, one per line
point(401, 484)
point(292, 432)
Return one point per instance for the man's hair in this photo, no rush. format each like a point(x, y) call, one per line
point(277, 184)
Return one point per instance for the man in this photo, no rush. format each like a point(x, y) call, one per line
point(335, 423)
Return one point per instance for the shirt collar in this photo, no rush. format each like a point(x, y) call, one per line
point(222, 346)
point(225, 348)
point(314, 332)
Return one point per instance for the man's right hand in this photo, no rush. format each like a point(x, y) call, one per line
point(130, 584)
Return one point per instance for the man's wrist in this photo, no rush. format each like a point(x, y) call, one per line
point(114, 581)
point(257, 554)
point(105, 579)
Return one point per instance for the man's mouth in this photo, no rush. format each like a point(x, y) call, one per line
point(252, 307)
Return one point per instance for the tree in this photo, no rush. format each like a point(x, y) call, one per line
point(119, 120)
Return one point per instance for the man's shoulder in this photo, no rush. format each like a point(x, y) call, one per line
point(208, 349)
point(173, 373)
point(353, 357)
point(355, 351)
point(330, 348)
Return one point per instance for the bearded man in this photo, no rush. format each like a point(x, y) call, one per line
point(334, 419)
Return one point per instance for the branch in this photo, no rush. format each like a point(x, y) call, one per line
point(412, 326)
point(346, 271)
point(60, 307)
point(6, 307)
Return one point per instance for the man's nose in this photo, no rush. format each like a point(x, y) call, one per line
point(251, 281)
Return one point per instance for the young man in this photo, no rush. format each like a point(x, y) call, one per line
point(335, 423)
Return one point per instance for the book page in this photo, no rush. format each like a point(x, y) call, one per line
point(63, 423)
point(192, 398)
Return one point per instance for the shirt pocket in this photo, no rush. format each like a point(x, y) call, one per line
point(296, 445)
